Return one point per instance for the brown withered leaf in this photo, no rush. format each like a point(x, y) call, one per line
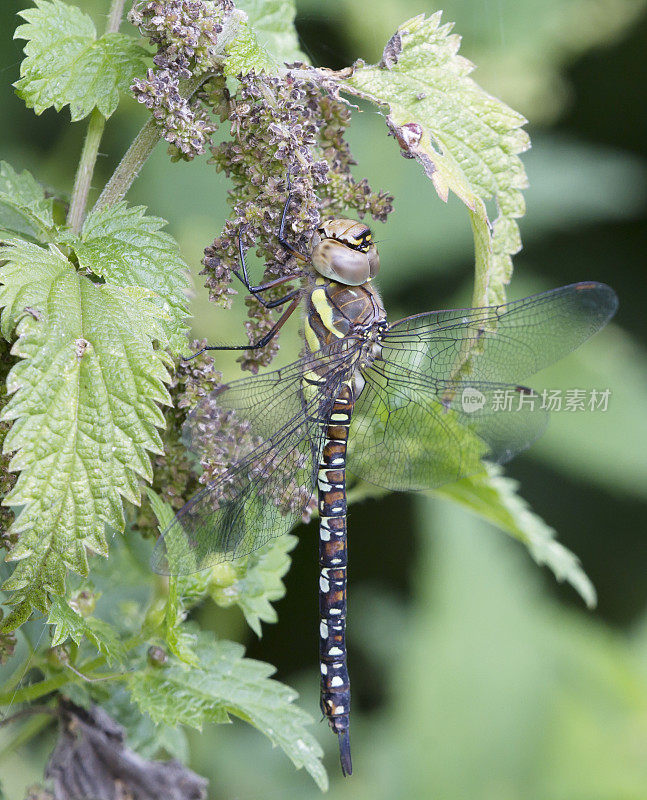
point(91, 762)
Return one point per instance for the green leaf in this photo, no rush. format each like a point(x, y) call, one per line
point(266, 41)
point(67, 64)
point(273, 24)
point(85, 407)
point(180, 641)
point(126, 247)
point(246, 54)
point(466, 140)
point(227, 683)
point(24, 208)
point(493, 497)
point(252, 583)
point(183, 591)
point(142, 734)
point(70, 625)
point(258, 582)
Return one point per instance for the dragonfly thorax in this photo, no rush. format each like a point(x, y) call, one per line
point(343, 250)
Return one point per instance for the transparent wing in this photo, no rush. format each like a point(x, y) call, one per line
point(505, 343)
point(410, 432)
point(438, 400)
point(259, 440)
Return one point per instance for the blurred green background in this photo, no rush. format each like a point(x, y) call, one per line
point(474, 674)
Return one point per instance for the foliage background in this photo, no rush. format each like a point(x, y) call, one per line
point(474, 675)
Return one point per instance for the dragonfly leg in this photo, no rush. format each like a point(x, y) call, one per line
point(256, 290)
point(263, 340)
point(281, 237)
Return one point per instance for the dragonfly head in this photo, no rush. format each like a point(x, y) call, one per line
point(344, 251)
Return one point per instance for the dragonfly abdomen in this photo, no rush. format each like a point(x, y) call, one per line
point(333, 561)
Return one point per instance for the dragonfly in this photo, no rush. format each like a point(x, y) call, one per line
point(407, 406)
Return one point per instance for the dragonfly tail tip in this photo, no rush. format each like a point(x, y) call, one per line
point(344, 753)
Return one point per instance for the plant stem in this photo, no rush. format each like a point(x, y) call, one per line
point(140, 150)
point(29, 731)
point(129, 166)
point(28, 712)
point(85, 170)
point(36, 690)
point(83, 179)
point(115, 16)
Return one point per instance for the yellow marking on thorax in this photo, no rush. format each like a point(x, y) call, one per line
point(324, 309)
point(311, 337)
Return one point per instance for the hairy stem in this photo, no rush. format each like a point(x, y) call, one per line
point(129, 166)
point(85, 170)
point(83, 179)
point(115, 16)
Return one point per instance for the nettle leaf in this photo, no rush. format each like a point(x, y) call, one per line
point(70, 625)
point(180, 640)
point(466, 140)
point(273, 24)
point(245, 53)
point(253, 583)
point(142, 734)
point(226, 683)
point(24, 208)
point(126, 247)
point(266, 41)
point(67, 64)
point(85, 412)
point(494, 497)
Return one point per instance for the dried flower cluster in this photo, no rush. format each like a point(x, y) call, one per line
point(280, 126)
point(173, 476)
point(185, 32)
point(186, 35)
point(187, 128)
point(224, 434)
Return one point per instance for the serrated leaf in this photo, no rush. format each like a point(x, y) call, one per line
point(494, 497)
point(85, 411)
point(24, 208)
point(180, 641)
point(252, 583)
point(258, 582)
point(126, 247)
point(273, 23)
point(67, 64)
point(227, 683)
point(466, 140)
point(143, 735)
point(246, 54)
point(70, 625)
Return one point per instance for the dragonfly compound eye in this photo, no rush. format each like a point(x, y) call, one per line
point(345, 252)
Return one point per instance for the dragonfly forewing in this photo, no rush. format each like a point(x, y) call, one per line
point(502, 344)
point(259, 442)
